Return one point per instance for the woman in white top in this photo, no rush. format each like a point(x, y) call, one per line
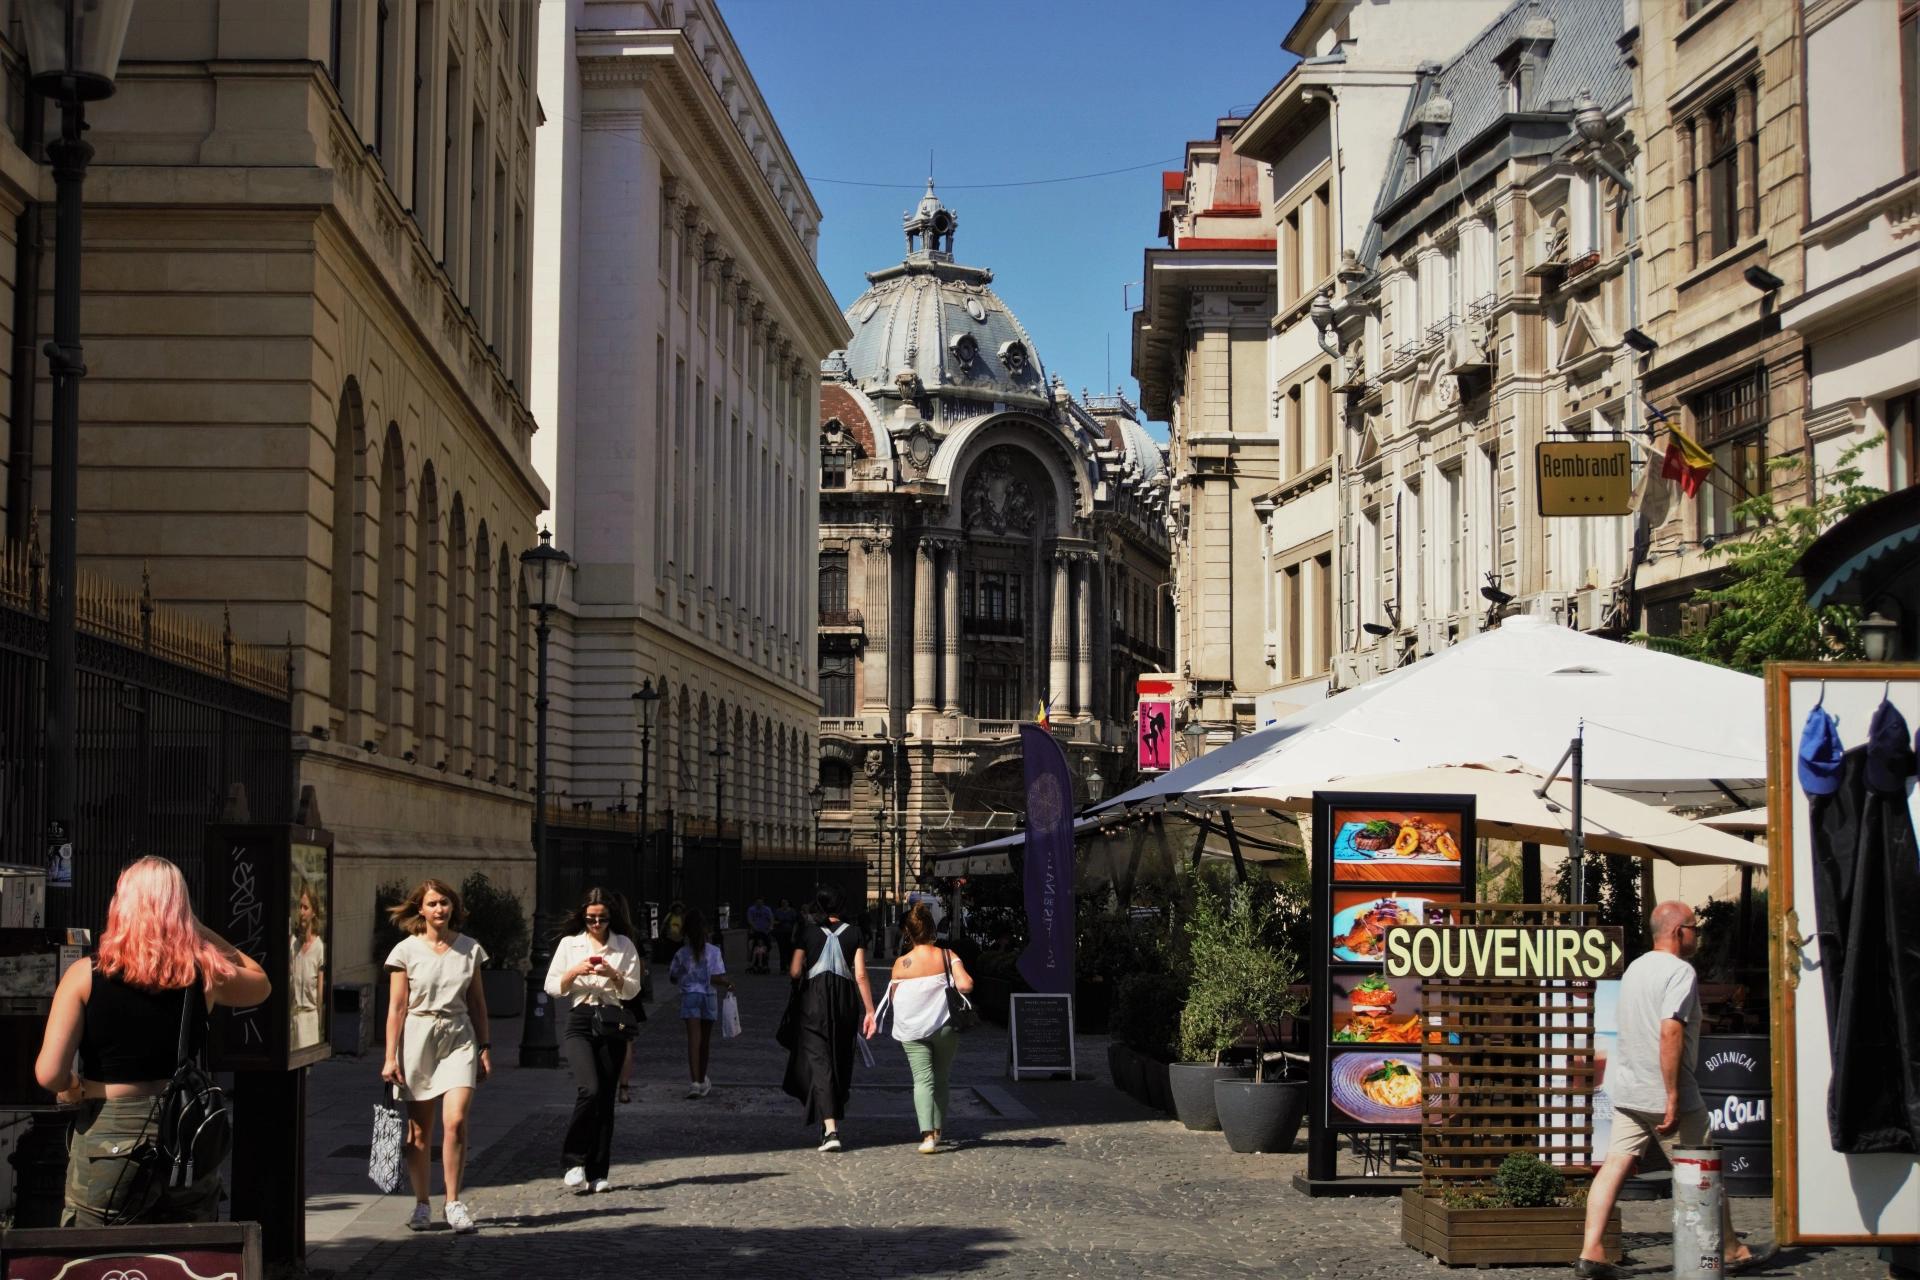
point(436, 1038)
point(309, 967)
point(596, 967)
point(697, 969)
point(918, 996)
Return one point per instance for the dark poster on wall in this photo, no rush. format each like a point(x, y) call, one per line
point(1380, 861)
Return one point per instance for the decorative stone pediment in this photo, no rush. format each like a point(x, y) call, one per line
point(1582, 343)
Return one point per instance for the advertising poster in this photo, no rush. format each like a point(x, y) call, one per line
point(307, 914)
point(1380, 861)
point(1155, 741)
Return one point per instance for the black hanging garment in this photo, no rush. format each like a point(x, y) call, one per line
point(1866, 891)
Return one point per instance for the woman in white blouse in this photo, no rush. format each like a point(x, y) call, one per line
point(596, 967)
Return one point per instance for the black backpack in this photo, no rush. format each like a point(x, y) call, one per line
point(193, 1125)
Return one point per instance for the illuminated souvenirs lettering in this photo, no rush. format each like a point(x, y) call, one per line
point(1504, 952)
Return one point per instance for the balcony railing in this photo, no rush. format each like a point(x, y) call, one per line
point(841, 618)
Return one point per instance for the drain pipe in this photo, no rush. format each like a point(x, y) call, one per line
point(26, 343)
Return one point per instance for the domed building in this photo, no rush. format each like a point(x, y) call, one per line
point(988, 544)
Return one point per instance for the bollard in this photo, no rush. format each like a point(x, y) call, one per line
point(1697, 1246)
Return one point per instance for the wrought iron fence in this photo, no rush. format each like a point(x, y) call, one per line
point(172, 714)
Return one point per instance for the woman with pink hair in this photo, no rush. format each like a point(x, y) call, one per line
point(121, 1012)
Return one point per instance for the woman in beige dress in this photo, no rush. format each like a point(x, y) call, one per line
point(436, 1039)
point(309, 968)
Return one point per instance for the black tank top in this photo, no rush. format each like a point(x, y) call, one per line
point(131, 1035)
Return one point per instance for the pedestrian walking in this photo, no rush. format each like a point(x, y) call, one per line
point(698, 969)
point(437, 1048)
point(917, 996)
point(760, 937)
point(595, 967)
point(1650, 1077)
point(836, 1004)
point(786, 922)
point(121, 1011)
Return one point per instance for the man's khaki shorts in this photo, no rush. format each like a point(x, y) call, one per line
point(1635, 1131)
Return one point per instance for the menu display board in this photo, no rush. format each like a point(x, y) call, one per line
point(1380, 861)
point(1041, 1029)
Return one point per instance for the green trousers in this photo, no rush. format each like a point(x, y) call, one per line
point(932, 1063)
point(105, 1186)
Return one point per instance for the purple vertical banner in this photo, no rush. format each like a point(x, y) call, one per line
point(1047, 963)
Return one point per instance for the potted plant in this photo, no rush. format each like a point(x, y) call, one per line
point(1145, 1027)
point(1526, 1214)
point(1209, 1028)
point(1244, 972)
point(497, 922)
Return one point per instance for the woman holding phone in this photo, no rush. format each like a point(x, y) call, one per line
point(595, 966)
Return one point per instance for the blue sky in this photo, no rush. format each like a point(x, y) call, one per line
point(1009, 92)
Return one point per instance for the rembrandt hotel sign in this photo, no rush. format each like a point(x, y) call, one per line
point(1503, 952)
point(1581, 478)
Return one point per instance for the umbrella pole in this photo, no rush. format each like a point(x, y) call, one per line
point(1576, 842)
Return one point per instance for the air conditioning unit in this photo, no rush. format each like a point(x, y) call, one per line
point(1431, 636)
point(1470, 347)
point(1351, 670)
point(1550, 604)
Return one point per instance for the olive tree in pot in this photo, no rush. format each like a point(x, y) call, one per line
point(496, 920)
point(1243, 972)
point(1206, 1034)
point(1144, 1026)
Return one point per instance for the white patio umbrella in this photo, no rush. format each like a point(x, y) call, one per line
point(1664, 729)
point(1507, 806)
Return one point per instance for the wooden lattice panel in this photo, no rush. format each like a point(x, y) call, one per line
point(1506, 1065)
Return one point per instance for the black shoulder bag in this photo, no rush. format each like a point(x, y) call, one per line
point(192, 1124)
point(961, 1015)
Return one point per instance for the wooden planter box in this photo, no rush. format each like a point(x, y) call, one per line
point(1469, 1237)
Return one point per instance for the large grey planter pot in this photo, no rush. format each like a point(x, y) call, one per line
point(1159, 1092)
point(506, 992)
point(1192, 1084)
point(1260, 1117)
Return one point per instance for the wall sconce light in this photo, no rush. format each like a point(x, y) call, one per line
point(1640, 342)
point(442, 766)
point(371, 747)
point(1376, 629)
point(468, 773)
point(408, 756)
point(319, 732)
point(1879, 637)
point(1763, 280)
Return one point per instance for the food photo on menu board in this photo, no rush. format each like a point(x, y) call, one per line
point(1371, 1008)
point(1361, 919)
point(1396, 846)
point(1372, 1087)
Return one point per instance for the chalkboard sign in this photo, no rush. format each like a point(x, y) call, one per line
point(197, 1251)
point(1042, 1035)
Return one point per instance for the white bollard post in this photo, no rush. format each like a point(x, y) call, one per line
point(1697, 1246)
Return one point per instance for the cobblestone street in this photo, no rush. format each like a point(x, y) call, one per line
point(1053, 1179)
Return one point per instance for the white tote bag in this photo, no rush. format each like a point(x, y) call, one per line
point(729, 1016)
point(389, 1133)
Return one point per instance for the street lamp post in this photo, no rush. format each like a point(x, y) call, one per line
point(644, 703)
point(541, 569)
point(73, 51)
point(816, 798)
point(719, 754)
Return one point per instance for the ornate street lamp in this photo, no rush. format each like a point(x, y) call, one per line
point(541, 571)
point(644, 703)
point(73, 53)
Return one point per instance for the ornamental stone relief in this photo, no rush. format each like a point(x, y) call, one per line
point(996, 500)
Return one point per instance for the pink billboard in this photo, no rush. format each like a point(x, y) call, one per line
point(1155, 736)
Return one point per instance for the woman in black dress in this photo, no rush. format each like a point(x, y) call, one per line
point(836, 1003)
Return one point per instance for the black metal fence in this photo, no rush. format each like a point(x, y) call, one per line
point(172, 714)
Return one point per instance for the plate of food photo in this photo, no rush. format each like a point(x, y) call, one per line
point(1377, 1088)
point(1360, 931)
point(1397, 846)
point(1372, 1016)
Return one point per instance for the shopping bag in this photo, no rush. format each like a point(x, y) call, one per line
point(729, 1016)
point(389, 1134)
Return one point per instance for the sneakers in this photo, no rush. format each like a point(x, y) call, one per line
point(576, 1178)
point(602, 1185)
point(695, 1091)
point(459, 1219)
point(929, 1145)
point(422, 1217)
point(706, 1087)
point(831, 1142)
point(1588, 1269)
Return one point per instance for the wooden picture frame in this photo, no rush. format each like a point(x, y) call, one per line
point(1792, 689)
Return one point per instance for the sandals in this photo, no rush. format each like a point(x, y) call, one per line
point(1759, 1256)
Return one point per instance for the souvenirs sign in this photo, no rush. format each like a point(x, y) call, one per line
point(1507, 953)
point(1580, 478)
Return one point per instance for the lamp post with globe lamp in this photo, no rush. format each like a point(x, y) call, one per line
point(541, 568)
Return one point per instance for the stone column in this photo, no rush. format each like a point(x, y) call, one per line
point(875, 608)
point(1060, 681)
point(950, 642)
point(926, 631)
point(1083, 623)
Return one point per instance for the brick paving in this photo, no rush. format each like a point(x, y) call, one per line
point(1053, 1179)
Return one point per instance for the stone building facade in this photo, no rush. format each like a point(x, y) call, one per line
point(987, 543)
point(679, 334)
point(1486, 314)
point(305, 317)
point(1201, 354)
point(1717, 107)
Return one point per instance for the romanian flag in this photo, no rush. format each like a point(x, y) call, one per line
point(1045, 718)
point(1686, 461)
